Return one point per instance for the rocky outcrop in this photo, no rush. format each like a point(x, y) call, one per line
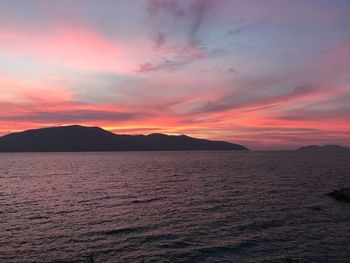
point(342, 194)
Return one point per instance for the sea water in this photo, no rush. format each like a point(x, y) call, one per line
point(173, 207)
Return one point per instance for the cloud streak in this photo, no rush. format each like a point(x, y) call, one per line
point(72, 116)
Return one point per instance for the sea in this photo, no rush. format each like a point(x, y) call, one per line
point(200, 206)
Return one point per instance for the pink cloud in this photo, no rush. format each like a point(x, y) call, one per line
point(74, 47)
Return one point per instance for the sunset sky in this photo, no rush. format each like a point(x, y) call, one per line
point(271, 74)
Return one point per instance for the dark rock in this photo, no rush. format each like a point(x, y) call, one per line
point(343, 194)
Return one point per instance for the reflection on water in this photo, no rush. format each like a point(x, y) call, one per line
point(173, 207)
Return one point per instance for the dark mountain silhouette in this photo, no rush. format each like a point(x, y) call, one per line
point(325, 148)
point(80, 138)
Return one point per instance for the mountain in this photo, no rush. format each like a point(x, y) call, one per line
point(325, 148)
point(79, 138)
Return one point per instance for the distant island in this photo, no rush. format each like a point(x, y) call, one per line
point(76, 138)
point(325, 148)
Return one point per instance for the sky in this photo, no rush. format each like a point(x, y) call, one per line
point(271, 75)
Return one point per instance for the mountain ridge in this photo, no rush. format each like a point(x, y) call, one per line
point(324, 148)
point(81, 138)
